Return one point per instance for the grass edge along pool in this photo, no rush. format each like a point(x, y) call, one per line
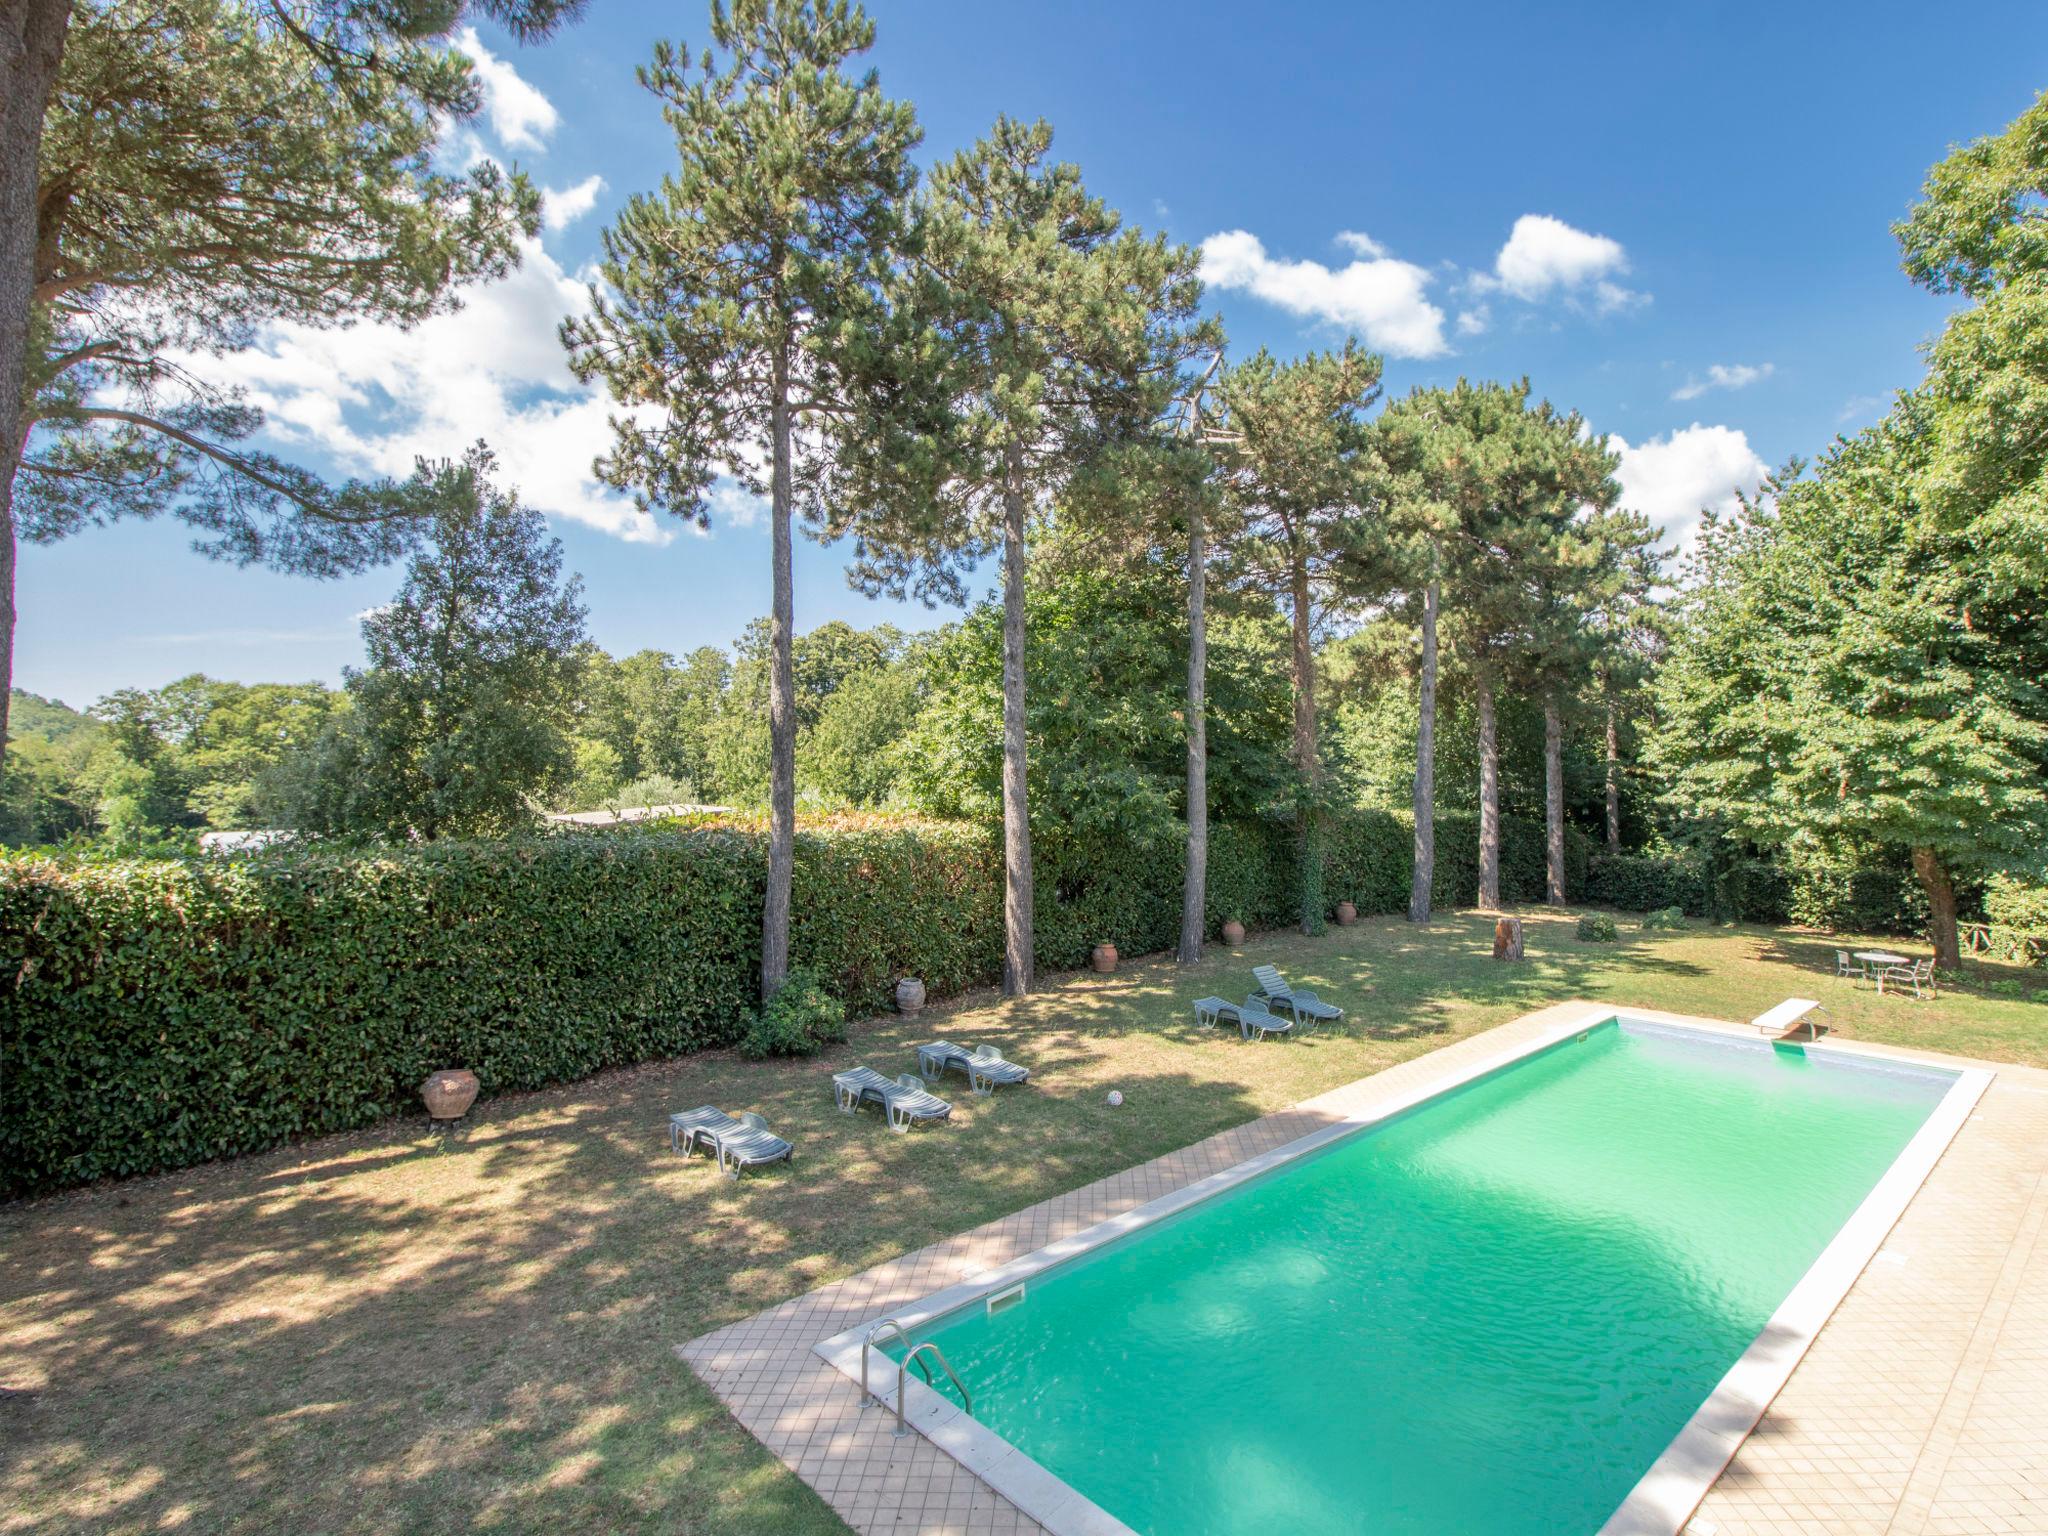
point(1678, 1477)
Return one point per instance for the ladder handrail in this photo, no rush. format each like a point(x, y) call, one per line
point(868, 1339)
point(951, 1375)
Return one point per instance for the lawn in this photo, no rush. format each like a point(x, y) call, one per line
point(411, 1330)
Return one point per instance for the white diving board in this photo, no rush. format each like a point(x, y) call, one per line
point(1790, 1017)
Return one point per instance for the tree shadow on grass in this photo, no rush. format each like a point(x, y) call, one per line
point(421, 1333)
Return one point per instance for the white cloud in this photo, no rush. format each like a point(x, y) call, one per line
point(1543, 253)
point(737, 507)
point(560, 209)
point(374, 397)
point(1857, 406)
point(1359, 243)
point(1724, 376)
point(1473, 321)
point(1672, 479)
point(1544, 256)
point(520, 115)
point(1381, 298)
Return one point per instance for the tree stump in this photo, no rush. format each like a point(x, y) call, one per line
point(1507, 939)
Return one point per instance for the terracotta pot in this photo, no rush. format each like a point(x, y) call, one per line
point(1104, 957)
point(910, 997)
point(1347, 914)
point(448, 1095)
point(1233, 933)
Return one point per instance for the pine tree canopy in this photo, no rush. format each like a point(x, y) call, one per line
point(207, 167)
point(751, 275)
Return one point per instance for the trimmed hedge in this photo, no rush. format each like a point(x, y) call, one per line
point(1644, 883)
point(164, 1012)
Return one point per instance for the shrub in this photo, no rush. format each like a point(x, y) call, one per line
point(1597, 928)
point(1644, 883)
point(798, 1020)
point(2015, 904)
point(1663, 917)
point(1880, 897)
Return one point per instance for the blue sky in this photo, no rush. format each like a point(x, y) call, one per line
point(1672, 218)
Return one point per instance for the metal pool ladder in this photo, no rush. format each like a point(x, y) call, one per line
point(889, 1324)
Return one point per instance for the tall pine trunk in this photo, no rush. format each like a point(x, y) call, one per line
point(781, 711)
point(1489, 790)
point(31, 49)
point(1613, 773)
point(1553, 800)
point(1941, 907)
point(1424, 876)
point(1194, 890)
point(1017, 893)
point(1306, 760)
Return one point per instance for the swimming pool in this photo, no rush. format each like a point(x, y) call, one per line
point(1492, 1311)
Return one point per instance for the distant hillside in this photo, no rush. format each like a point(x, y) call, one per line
point(51, 720)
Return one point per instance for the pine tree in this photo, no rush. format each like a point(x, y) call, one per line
point(1487, 486)
point(148, 155)
point(1033, 335)
point(1299, 475)
point(738, 302)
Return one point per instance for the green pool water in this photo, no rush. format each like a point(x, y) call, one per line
point(1488, 1315)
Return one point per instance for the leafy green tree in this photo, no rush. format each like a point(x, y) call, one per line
point(1108, 655)
point(1980, 231)
point(196, 752)
point(1304, 526)
point(459, 723)
point(1841, 679)
point(733, 296)
point(1032, 333)
point(45, 793)
point(858, 753)
point(174, 174)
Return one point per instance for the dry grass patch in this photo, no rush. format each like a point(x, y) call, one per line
point(408, 1330)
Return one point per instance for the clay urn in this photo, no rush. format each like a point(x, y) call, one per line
point(1347, 914)
point(1233, 933)
point(1104, 957)
point(910, 997)
point(448, 1095)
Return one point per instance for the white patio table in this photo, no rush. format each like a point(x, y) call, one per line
point(1875, 961)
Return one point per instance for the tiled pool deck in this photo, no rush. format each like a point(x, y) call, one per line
point(1921, 1408)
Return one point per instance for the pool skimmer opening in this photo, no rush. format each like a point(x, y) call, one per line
point(1002, 1301)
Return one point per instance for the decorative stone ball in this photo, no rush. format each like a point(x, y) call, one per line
point(1116, 1098)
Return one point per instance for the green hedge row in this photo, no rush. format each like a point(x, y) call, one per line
point(1877, 898)
point(160, 1013)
